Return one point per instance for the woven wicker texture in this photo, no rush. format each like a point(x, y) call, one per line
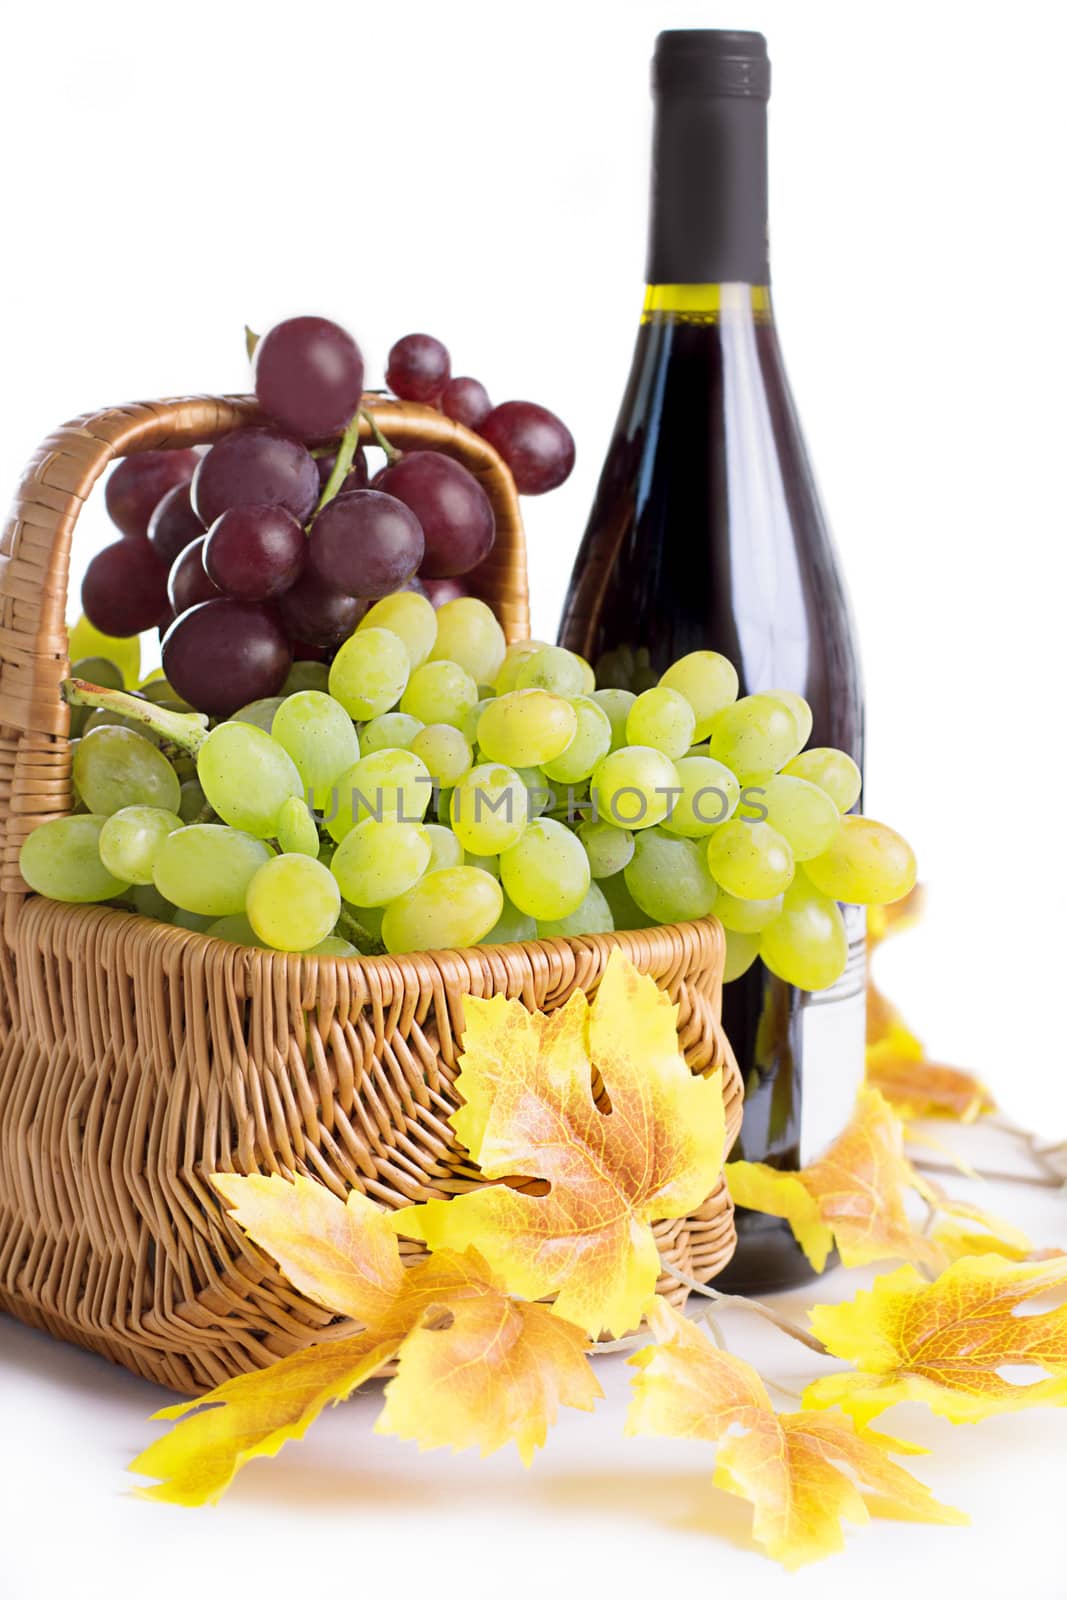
point(136, 1059)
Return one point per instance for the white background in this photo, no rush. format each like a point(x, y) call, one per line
point(479, 170)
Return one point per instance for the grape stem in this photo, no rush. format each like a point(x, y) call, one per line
point(768, 1313)
point(251, 340)
point(185, 730)
point(357, 934)
point(391, 452)
point(346, 454)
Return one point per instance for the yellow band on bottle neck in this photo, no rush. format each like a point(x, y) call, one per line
point(705, 302)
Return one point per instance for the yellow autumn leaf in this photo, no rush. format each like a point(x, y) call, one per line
point(654, 1150)
point(944, 1343)
point(802, 1473)
point(852, 1196)
point(479, 1368)
point(896, 1058)
point(474, 1367)
point(252, 1415)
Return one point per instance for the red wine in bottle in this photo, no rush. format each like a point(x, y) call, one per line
point(707, 533)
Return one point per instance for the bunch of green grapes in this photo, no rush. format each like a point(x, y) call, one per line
point(434, 788)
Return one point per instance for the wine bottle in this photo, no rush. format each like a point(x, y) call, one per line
point(706, 533)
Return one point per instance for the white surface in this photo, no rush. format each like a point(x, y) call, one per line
point(346, 1512)
point(479, 170)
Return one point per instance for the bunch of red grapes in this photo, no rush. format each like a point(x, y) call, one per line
point(244, 560)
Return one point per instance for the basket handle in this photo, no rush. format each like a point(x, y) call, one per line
point(35, 563)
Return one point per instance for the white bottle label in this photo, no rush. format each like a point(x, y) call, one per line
point(833, 1035)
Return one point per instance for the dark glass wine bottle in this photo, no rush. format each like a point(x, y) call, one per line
point(707, 533)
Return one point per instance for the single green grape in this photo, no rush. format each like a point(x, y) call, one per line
point(741, 951)
point(546, 872)
point(797, 704)
point(115, 767)
point(803, 814)
point(260, 713)
point(755, 736)
point(526, 728)
point(411, 617)
point(206, 868)
point(591, 743)
point(445, 910)
point(94, 669)
point(376, 861)
point(709, 796)
point(445, 848)
point(393, 730)
point(616, 705)
point(609, 848)
point(625, 912)
point(669, 877)
point(61, 859)
point(445, 751)
point(370, 672)
point(192, 801)
point(307, 675)
point(746, 916)
point(333, 946)
point(440, 691)
point(85, 640)
point(469, 634)
point(514, 656)
point(130, 841)
point(592, 916)
point(236, 930)
point(387, 783)
point(558, 671)
point(490, 864)
point(247, 777)
point(634, 787)
point(489, 809)
point(148, 901)
point(318, 736)
point(806, 945)
point(191, 920)
point(511, 927)
point(664, 719)
point(293, 902)
point(469, 726)
point(295, 829)
point(868, 864)
point(750, 860)
point(708, 681)
point(539, 792)
point(830, 770)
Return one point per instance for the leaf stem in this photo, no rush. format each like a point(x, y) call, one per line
point(768, 1313)
point(185, 729)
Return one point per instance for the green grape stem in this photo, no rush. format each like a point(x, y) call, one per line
point(346, 454)
point(357, 934)
point(251, 340)
point(391, 452)
point(181, 730)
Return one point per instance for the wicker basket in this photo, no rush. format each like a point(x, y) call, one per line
point(136, 1059)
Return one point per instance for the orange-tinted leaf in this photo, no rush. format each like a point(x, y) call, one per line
point(655, 1151)
point(853, 1195)
point(479, 1368)
point(802, 1474)
point(944, 1343)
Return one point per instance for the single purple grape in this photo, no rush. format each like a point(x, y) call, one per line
point(309, 377)
point(138, 484)
point(255, 467)
point(357, 474)
point(536, 445)
point(124, 589)
point(188, 584)
point(174, 523)
point(467, 401)
point(453, 508)
point(439, 591)
point(255, 552)
point(418, 368)
point(366, 543)
point(224, 653)
point(316, 614)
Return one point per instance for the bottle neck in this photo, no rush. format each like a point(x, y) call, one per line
point(707, 302)
point(708, 223)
